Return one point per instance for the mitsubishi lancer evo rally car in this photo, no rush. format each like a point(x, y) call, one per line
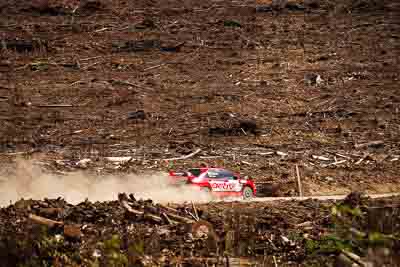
point(219, 182)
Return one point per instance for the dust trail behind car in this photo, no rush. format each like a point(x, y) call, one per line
point(28, 180)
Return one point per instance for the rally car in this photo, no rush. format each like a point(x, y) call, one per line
point(219, 182)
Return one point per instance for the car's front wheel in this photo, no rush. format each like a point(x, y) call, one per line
point(247, 192)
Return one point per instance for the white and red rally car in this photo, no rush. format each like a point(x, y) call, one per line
point(219, 182)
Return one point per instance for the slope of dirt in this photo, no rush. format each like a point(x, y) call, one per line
point(159, 79)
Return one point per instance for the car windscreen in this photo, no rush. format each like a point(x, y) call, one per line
point(195, 172)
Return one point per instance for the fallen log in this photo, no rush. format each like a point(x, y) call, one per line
point(195, 211)
point(168, 219)
point(349, 259)
point(50, 211)
point(175, 215)
point(55, 106)
point(185, 157)
point(181, 219)
point(129, 209)
point(119, 159)
point(248, 163)
point(72, 231)
point(69, 231)
point(147, 216)
point(153, 218)
point(44, 221)
point(123, 199)
point(168, 208)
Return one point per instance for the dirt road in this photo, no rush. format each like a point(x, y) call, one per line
point(295, 199)
point(332, 197)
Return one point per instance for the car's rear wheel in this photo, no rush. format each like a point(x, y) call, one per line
point(247, 192)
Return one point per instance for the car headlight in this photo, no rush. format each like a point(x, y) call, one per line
point(243, 181)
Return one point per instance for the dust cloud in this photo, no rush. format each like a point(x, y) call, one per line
point(30, 181)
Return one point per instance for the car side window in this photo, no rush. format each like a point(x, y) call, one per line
point(227, 175)
point(220, 174)
point(213, 174)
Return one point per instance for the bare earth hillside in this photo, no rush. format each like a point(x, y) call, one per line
point(157, 79)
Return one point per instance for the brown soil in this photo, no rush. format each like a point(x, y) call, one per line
point(191, 66)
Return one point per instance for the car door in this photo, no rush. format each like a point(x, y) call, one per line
point(222, 181)
point(214, 179)
point(233, 182)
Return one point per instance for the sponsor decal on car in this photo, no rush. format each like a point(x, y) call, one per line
point(225, 186)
